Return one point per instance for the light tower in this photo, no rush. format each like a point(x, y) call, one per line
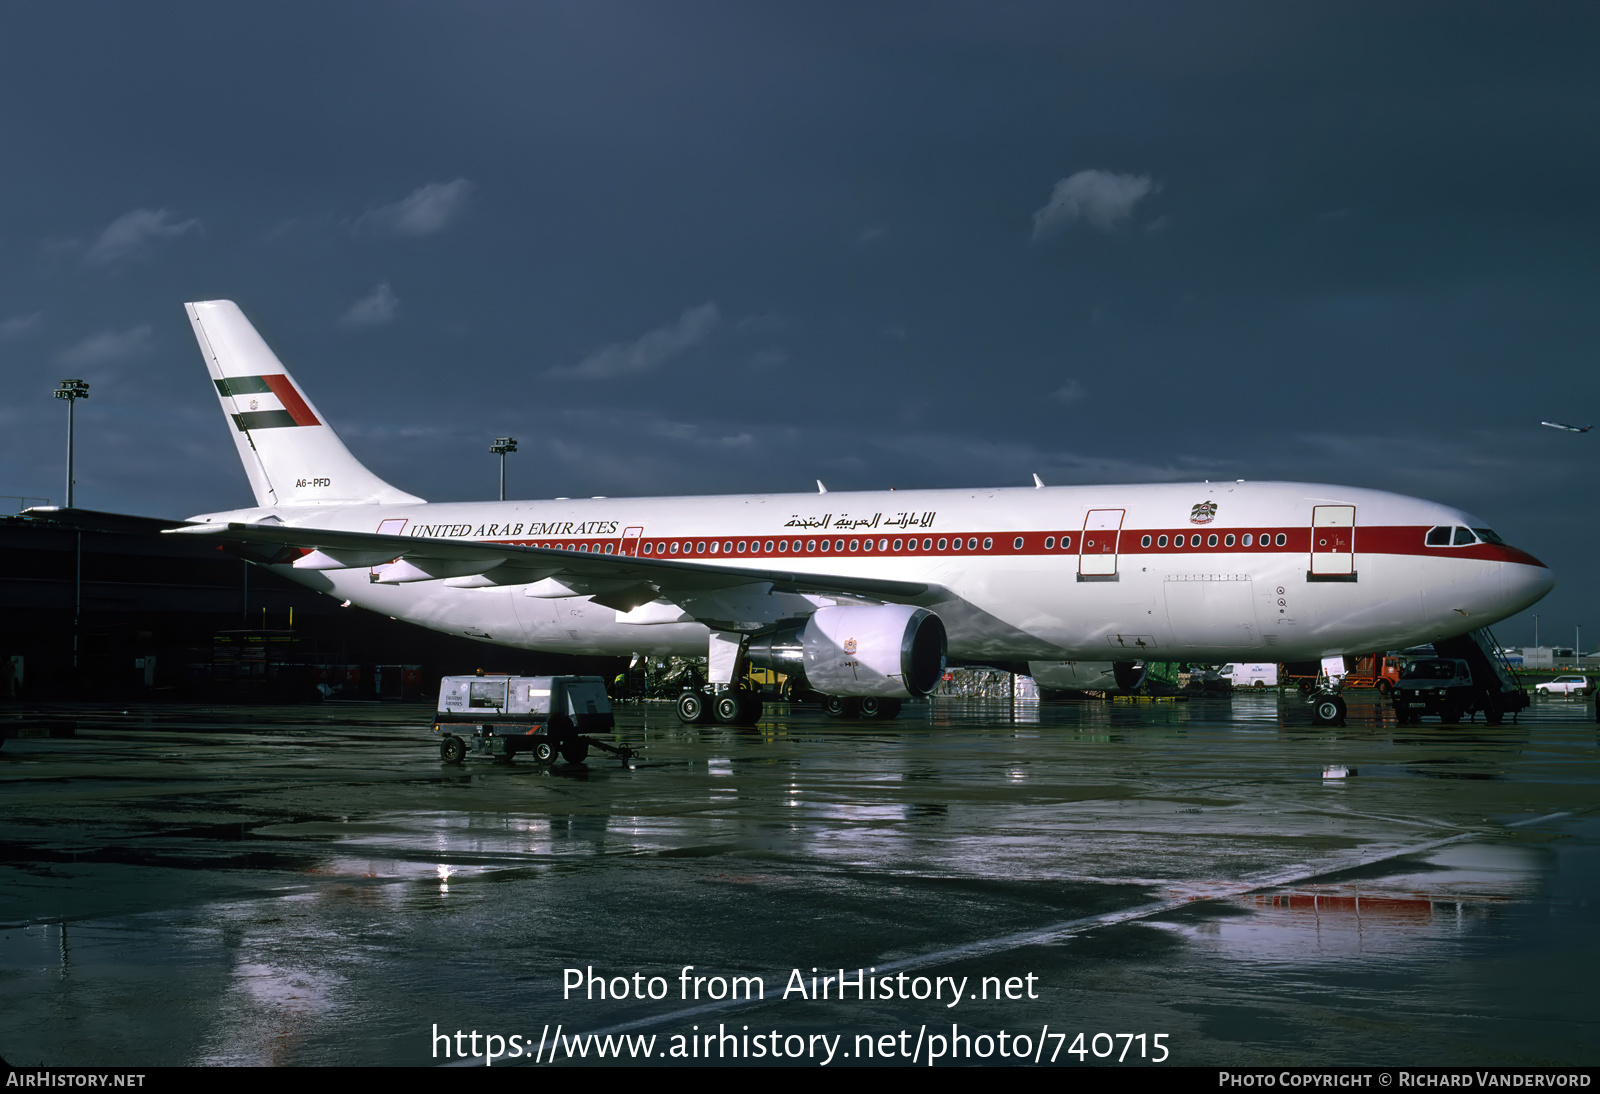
point(71, 391)
point(501, 446)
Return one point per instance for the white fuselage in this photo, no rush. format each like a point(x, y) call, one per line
point(1054, 573)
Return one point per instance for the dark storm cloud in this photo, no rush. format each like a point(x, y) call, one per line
point(1343, 242)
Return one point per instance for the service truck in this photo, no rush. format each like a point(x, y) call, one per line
point(544, 715)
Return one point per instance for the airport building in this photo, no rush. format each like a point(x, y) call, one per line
point(114, 616)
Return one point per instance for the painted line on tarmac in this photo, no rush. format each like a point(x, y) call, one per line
point(1057, 932)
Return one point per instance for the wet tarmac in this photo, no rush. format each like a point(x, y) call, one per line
point(312, 886)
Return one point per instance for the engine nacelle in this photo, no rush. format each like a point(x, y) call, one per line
point(887, 651)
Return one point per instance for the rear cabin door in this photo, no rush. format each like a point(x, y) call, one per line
point(1097, 550)
point(1333, 541)
point(630, 540)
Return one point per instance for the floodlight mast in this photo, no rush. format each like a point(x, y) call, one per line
point(71, 391)
point(501, 446)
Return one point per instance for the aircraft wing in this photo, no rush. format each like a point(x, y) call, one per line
point(623, 582)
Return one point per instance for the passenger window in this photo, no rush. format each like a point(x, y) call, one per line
point(927, 545)
point(988, 543)
point(609, 547)
point(1194, 540)
point(1017, 543)
point(853, 544)
point(713, 548)
point(769, 546)
point(1066, 543)
point(1246, 540)
point(741, 546)
point(898, 544)
point(1282, 539)
point(783, 545)
point(700, 548)
point(941, 544)
point(1438, 537)
point(1211, 540)
point(1049, 543)
point(1144, 541)
point(811, 545)
point(648, 547)
point(1161, 541)
point(674, 548)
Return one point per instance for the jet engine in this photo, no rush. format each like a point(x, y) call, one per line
point(887, 651)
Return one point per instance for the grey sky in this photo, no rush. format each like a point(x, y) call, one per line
point(693, 248)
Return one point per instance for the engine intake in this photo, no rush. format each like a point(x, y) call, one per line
point(888, 651)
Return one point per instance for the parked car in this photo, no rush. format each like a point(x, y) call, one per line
point(1566, 685)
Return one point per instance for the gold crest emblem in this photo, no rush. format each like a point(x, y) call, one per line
point(1203, 513)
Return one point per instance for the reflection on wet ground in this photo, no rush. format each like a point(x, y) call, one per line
point(310, 885)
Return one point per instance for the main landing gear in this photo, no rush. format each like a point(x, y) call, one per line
point(871, 708)
point(729, 707)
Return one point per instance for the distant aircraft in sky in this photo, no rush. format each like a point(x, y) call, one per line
point(1568, 428)
point(862, 596)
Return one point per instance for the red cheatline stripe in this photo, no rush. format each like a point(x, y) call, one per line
point(1369, 541)
point(284, 389)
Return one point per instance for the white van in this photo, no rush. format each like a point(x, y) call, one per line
point(1251, 676)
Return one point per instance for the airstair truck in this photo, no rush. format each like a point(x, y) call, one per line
point(504, 715)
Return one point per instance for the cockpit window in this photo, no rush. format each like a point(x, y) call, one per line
point(1441, 536)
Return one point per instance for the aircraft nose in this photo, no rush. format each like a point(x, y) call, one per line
point(1525, 583)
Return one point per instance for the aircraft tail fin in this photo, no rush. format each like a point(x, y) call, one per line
point(290, 453)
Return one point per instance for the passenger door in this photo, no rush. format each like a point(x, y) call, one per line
point(1333, 542)
point(1097, 548)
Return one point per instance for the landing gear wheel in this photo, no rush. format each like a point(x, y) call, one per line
point(729, 708)
point(1328, 710)
point(575, 751)
point(452, 750)
point(838, 706)
point(881, 709)
point(692, 708)
point(544, 752)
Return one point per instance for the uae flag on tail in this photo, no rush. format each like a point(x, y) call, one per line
point(265, 402)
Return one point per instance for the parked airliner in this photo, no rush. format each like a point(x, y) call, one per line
point(866, 595)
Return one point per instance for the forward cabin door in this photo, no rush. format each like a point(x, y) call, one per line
point(1333, 542)
point(1097, 548)
point(630, 540)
